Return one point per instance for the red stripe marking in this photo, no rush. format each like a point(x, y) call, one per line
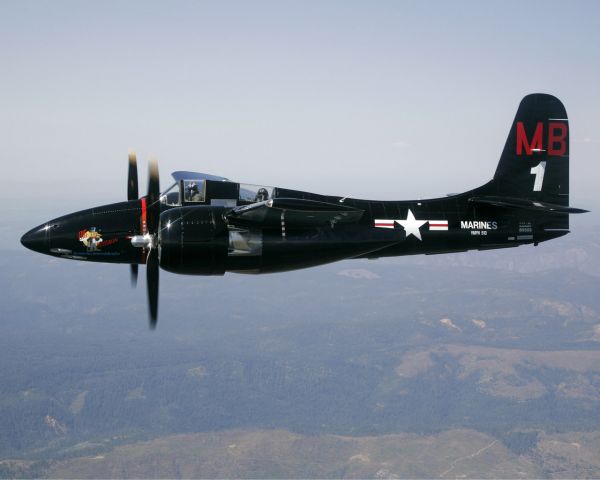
point(438, 224)
point(144, 213)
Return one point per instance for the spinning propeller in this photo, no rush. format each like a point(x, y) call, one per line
point(132, 194)
point(148, 240)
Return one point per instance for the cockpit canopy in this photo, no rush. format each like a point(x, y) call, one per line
point(192, 188)
point(255, 193)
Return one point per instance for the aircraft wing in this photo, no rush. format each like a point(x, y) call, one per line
point(183, 175)
point(294, 212)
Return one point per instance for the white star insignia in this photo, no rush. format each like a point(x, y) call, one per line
point(411, 225)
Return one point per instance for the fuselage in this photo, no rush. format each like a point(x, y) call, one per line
point(198, 236)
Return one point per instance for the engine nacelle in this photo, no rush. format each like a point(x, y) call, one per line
point(193, 240)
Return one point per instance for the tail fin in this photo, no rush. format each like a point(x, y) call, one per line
point(532, 176)
point(535, 161)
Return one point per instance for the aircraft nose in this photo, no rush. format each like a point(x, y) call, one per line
point(37, 239)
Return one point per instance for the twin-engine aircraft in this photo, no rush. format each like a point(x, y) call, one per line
point(209, 225)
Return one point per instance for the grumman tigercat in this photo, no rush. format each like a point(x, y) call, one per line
point(208, 225)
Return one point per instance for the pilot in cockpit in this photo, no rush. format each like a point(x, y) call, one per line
point(262, 195)
point(192, 193)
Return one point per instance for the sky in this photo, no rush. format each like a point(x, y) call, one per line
point(382, 100)
point(367, 99)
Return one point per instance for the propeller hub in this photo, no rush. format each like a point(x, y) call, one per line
point(143, 241)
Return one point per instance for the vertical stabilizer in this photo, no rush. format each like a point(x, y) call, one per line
point(535, 161)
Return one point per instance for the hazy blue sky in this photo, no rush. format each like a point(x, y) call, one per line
point(369, 99)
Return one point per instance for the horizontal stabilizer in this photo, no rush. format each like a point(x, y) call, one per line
point(294, 212)
point(525, 204)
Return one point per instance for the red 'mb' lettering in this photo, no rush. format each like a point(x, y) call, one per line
point(536, 141)
point(555, 138)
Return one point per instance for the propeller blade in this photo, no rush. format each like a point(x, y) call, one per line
point(153, 197)
point(132, 178)
point(152, 272)
point(134, 274)
point(132, 194)
point(152, 221)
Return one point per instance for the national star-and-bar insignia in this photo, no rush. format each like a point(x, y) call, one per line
point(411, 225)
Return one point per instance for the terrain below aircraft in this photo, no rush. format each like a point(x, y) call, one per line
point(208, 225)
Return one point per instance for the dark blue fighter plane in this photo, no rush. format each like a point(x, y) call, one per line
point(208, 225)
